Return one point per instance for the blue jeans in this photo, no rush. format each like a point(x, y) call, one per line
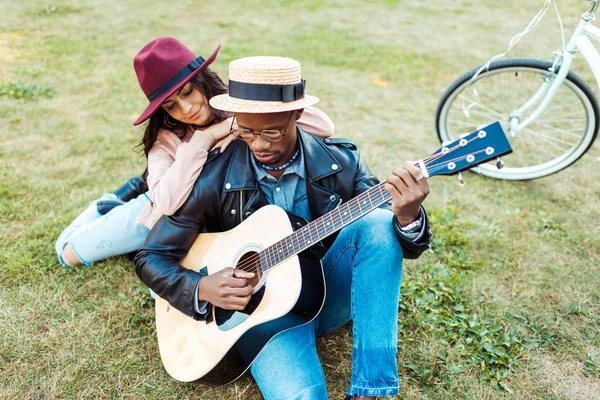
point(363, 271)
point(95, 237)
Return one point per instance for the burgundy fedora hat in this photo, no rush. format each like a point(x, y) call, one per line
point(162, 67)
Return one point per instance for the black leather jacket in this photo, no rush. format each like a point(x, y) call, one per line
point(227, 192)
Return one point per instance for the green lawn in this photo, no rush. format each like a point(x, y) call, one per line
point(508, 306)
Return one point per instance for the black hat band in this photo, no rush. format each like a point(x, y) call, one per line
point(177, 78)
point(266, 92)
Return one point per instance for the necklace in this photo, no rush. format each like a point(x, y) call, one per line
point(284, 166)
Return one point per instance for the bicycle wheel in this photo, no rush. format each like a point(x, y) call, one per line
point(558, 138)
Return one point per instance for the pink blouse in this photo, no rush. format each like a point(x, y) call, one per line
point(175, 163)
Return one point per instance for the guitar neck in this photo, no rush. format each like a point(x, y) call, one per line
point(324, 226)
point(470, 150)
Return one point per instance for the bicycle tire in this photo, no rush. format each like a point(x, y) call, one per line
point(518, 165)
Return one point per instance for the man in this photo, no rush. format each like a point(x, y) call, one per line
point(277, 163)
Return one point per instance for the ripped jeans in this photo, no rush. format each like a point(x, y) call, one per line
point(95, 237)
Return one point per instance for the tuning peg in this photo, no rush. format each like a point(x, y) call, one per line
point(499, 163)
point(460, 178)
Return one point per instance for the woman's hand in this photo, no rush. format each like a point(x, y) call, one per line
point(219, 130)
point(223, 143)
point(221, 133)
point(223, 289)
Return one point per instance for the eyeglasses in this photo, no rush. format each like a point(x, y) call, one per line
point(270, 135)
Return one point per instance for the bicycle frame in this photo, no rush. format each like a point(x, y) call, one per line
point(579, 41)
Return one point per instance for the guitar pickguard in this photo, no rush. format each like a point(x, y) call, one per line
point(229, 319)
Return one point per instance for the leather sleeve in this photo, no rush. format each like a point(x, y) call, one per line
point(365, 180)
point(157, 264)
point(412, 249)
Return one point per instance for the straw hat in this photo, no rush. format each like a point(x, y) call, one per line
point(162, 67)
point(264, 85)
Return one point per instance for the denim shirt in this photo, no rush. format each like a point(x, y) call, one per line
point(289, 192)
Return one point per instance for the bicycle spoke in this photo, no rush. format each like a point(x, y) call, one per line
point(490, 110)
point(562, 131)
point(550, 139)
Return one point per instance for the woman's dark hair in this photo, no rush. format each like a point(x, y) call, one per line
point(207, 82)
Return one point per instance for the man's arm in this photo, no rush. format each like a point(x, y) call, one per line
point(414, 241)
point(157, 262)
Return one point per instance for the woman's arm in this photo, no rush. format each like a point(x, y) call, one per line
point(174, 166)
point(316, 122)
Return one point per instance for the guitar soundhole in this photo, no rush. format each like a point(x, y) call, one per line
point(229, 319)
point(250, 262)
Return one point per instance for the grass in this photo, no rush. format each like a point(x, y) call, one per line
point(507, 306)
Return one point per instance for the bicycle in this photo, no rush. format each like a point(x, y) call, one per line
point(550, 125)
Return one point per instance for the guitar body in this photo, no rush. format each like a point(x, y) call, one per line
point(205, 351)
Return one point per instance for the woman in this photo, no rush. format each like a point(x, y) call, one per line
point(182, 128)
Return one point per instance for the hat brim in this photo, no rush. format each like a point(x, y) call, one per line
point(156, 103)
point(227, 103)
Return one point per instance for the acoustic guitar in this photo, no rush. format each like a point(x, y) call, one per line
point(287, 277)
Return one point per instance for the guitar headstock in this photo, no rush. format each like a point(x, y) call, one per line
point(483, 145)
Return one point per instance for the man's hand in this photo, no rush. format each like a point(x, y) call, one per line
point(223, 290)
point(407, 193)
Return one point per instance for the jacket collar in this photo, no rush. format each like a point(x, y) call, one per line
point(319, 162)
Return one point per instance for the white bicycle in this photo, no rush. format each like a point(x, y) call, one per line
point(551, 114)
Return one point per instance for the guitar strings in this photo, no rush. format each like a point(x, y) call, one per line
point(253, 264)
point(439, 167)
point(299, 236)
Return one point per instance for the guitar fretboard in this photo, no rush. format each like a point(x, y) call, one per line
point(323, 226)
point(478, 147)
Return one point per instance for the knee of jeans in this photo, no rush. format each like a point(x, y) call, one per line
point(376, 227)
point(61, 261)
point(313, 392)
point(78, 260)
point(59, 245)
point(296, 388)
point(289, 391)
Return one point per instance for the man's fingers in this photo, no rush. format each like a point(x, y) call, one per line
point(409, 174)
point(239, 278)
point(237, 302)
point(416, 173)
point(241, 273)
point(236, 282)
point(241, 291)
point(412, 169)
point(403, 187)
point(237, 273)
point(400, 179)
